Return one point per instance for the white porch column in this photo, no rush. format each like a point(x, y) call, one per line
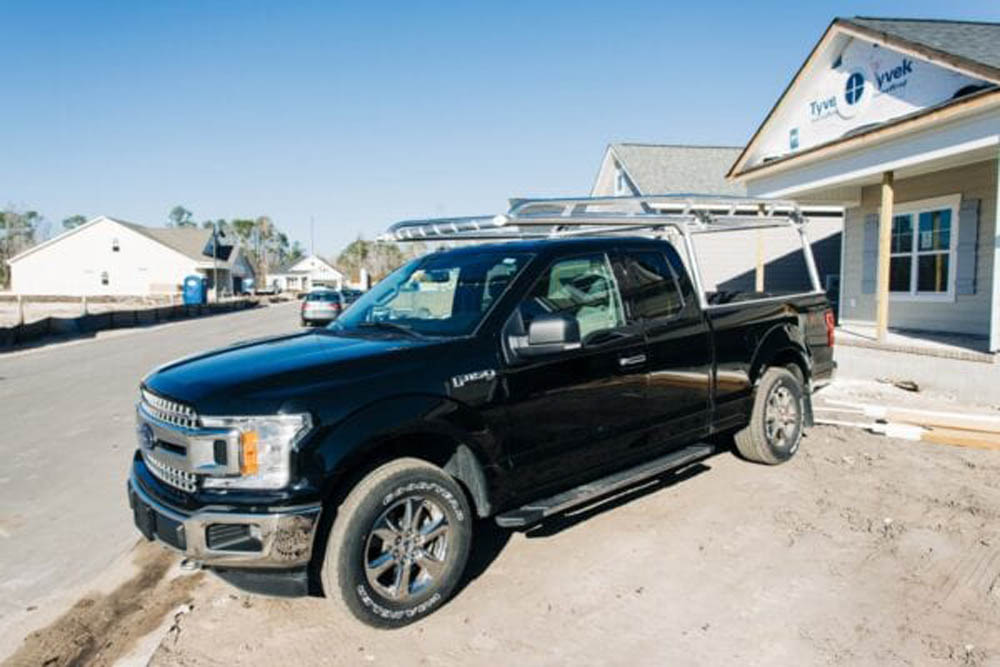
point(995, 298)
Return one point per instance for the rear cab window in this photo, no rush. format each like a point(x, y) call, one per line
point(323, 296)
point(652, 290)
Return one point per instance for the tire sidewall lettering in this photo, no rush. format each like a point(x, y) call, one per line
point(369, 598)
point(433, 487)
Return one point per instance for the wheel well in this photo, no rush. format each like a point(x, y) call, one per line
point(788, 359)
point(454, 457)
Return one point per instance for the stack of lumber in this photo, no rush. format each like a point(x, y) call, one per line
point(961, 429)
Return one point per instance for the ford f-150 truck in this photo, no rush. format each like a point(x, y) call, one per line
point(509, 380)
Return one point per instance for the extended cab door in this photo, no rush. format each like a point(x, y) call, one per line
point(679, 342)
point(572, 413)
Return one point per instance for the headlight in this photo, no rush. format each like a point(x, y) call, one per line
point(265, 449)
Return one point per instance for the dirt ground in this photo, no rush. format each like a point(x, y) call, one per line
point(861, 550)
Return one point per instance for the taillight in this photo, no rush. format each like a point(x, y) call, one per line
point(828, 318)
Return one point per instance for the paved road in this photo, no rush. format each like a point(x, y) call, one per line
point(66, 437)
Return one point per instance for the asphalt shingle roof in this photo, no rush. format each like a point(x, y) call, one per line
point(193, 242)
point(664, 169)
point(975, 41)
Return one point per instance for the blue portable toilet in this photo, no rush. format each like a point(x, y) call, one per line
point(195, 290)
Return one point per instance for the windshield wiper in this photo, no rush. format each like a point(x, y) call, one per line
point(391, 326)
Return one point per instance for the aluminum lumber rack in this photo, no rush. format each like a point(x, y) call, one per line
point(685, 214)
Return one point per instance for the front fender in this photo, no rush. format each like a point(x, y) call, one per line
point(441, 429)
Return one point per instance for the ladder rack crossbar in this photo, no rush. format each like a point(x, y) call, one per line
point(687, 215)
point(554, 218)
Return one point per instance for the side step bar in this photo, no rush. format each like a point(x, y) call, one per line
point(536, 511)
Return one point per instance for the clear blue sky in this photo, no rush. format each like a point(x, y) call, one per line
point(363, 113)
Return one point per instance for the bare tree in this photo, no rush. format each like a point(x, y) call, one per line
point(19, 231)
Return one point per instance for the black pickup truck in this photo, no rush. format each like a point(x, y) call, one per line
point(508, 380)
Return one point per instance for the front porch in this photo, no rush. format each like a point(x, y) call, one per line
point(926, 343)
point(958, 366)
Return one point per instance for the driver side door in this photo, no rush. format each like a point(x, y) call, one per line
point(573, 414)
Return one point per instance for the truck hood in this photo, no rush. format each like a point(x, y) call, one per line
point(260, 376)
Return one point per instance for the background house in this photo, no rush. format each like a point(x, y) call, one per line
point(898, 120)
point(305, 274)
point(727, 261)
point(106, 256)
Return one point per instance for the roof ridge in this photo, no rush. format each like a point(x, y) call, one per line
point(921, 20)
point(652, 145)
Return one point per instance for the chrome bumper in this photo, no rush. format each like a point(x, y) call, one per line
point(285, 537)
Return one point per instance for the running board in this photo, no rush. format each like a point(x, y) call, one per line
point(539, 509)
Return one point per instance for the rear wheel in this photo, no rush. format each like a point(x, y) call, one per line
point(399, 544)
point(777, 420)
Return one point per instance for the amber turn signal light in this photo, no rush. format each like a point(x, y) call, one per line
point(248, 453)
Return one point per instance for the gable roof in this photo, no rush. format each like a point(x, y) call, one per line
point(967, 46)
point(289, 267)
point(974, 43)
point(192, 242)
point(670, 168)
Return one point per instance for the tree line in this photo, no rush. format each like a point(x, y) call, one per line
point(266, 246)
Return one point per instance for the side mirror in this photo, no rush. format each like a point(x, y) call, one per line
point(549, 333)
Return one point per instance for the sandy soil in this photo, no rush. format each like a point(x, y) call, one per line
point(862, 550)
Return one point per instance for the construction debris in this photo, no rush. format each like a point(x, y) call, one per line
point(906, 385)
point(947, 428)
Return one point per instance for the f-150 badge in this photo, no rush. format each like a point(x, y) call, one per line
point(460, 381)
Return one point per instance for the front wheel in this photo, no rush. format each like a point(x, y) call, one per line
point(777, 420)
point(399, 544)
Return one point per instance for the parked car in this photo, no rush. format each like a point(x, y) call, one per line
point(321, 306)
point(351, 295)
point(509, 381)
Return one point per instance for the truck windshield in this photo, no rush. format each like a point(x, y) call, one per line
point(437, 295)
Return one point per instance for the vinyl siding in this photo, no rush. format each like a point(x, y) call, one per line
point(967, 314)
point(73, 265)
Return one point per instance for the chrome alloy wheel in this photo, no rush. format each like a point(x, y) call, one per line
point(781, 417)
point(406, 548)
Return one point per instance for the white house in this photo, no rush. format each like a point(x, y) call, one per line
point(727, 261)
point(106, 256)
point(305, 274)
point(897, 120)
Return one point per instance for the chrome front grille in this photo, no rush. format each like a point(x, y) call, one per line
point(180, 479)
point(168, 411)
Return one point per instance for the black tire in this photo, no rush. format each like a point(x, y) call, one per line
point(369, 533)
point(773, 436)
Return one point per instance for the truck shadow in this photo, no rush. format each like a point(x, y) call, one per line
point(575, 515)
point(491, 539)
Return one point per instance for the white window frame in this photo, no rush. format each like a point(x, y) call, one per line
point(914, 209)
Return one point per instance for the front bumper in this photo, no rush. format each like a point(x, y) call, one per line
point(273, 539)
